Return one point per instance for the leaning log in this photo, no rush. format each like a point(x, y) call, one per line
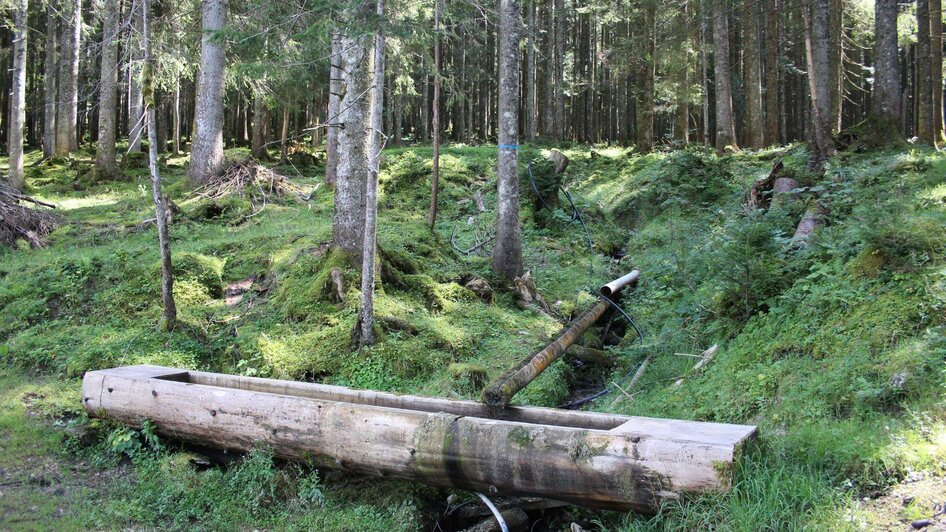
point(498, 394)
point(590, 459)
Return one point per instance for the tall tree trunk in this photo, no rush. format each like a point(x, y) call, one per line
point(136, 110)
point(704, 73)
point(836, 55)
point(548, 109)
point(50, 75)
point(399, 117)
point(376, 139)
point(435, 179)
point(354, 171)
point(67, 111)
point(425, 107)
point(771, 94)
point(18, 95)
point(334, 106)
point(207, 147)
point(176, 127)
point(284, 137)
point(725, 125)
point(160, 210)
point(645, 92)
point(559, 62)
point(817, 52)
point(682, 114)
point(258, 146)
point(885, 102)
point(529, 113)
point(108, 91)
point(753, 82)
point(924, 73)
point(507, 255)
point(936, 65)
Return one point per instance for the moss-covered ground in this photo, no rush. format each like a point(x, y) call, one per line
point(835, 349)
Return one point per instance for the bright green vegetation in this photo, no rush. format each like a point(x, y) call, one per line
point(835, 349)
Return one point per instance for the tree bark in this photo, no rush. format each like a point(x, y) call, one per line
point(354, 171)
point(284, 137)
point(771, 93)
point(207, 147)
point(817, 42)
point(936, 66)
point(559, 116)
point(753, 82)
point(435, 179)
point(924, 73)
point(136, 110)
point(548, 122)
point(725, 125)
point(18, 95)
point(167, 272)
point(176, 126)
point(704, 73)
point(105, 159)
point(334, 106)
point(529, 110)
point(50, 75)
point(507, 254)
point(836, 62)
point(366, 312)
point(67, 109)
point(260, 128)
point(645, 91)
point(885, 103)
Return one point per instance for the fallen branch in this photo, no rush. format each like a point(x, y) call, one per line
point(705, 359)
point(634, 380)
point(20, 222)
point(480, 242)
point(248, 178)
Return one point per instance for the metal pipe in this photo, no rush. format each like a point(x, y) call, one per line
point(618, 284)
point(498, 395)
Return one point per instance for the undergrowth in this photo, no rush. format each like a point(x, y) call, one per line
point(834, 348)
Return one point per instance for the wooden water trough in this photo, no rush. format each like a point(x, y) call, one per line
point(590, 459)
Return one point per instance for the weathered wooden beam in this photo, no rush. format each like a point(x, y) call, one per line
point(595, 460)
point(498, 394)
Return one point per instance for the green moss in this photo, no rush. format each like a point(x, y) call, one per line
point(835, 350)
point(199, 270)
point(520, 438)
point(305, 289)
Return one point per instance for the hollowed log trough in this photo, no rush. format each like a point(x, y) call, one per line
point(589, 459)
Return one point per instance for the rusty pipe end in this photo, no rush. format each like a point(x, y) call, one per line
point(620, 283)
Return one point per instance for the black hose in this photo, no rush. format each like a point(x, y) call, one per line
point(628, 318)
point(536, 189)
point(576, 214)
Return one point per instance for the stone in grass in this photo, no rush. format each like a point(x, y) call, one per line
point(481, 288)
point(921, 523)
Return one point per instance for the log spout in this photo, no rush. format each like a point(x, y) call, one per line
point(498, 394)
point(594, 460)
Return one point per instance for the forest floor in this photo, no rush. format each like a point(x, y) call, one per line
point(836, 349)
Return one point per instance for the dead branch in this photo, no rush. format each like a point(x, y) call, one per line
point(249, 178)
point(705, 359)
point(21, 222)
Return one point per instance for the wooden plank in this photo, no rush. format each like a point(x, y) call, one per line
point(636, 464)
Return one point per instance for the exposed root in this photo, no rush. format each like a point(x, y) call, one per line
point(20, 222)
point(249, 179)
